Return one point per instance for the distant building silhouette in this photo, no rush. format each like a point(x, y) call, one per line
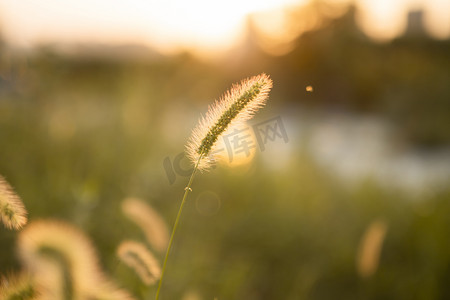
point(415, 26)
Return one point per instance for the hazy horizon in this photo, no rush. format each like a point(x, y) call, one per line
point(199, 27)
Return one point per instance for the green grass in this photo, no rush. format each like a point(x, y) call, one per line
point(74, 143)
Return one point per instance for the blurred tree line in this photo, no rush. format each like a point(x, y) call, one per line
point(405, 80)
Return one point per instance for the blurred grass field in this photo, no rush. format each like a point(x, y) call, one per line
point(75, 147)
point(79, 135)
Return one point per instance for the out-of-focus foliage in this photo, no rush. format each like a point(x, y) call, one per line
point(79, 134)
point(405, 79)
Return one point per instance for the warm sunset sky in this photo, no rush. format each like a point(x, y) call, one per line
point(195, 24)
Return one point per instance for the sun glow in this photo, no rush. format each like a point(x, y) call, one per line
point(386, 19)
point(239, 147)
point(382, 20)
point(163, 24)
point(200, 25)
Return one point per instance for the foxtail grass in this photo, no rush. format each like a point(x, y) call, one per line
point(151, 223)
point(141, 260)
point(62, 259)
point(12, 211)
point(18, 287)
point(370, 247)
point(236, 106)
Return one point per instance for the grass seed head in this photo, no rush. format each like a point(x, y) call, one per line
point(236, 106)
point(18, 286)
point(370, 248)
point(12, 211)
point(64, 261)
point(138, 257)
point(148, 219)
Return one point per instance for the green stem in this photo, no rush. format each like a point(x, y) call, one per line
point(186, 191)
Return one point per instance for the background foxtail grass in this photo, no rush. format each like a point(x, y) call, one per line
point(13, 214)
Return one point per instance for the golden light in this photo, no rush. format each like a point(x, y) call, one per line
point(237, 147)
point(381, 19)
point(386, 19)
point(370, 247)
point(200, 25)
point(165, 25)
point(276, 35)
point(437, 18)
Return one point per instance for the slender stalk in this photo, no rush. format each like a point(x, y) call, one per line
point(186, 191)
